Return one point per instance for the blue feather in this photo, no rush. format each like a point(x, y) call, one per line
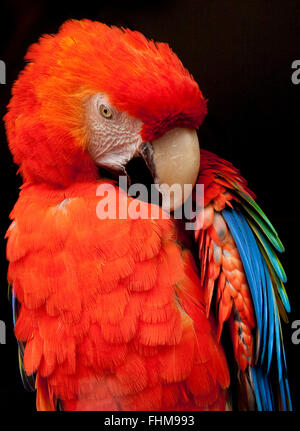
point(271, 325)
point(13, 301)
point(260, 281)
point(256, 388)
point(258, 274)
point(266, 320)
point(271, 255)
point(235, 227)
point(287, 388)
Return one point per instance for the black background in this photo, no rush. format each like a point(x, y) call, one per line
point(240, 53)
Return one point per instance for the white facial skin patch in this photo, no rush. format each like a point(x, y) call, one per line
point(113, 136)
point(114, 139)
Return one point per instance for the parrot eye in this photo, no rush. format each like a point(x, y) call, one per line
point(105, 111)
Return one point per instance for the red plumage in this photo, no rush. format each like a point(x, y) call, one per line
point(114, 313)
point(44, 123)
point(99, 333)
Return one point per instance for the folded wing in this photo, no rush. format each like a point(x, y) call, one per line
point(237, 251)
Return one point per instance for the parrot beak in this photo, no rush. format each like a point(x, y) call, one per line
point(174, 161)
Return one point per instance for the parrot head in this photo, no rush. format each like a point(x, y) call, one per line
point(94, 96)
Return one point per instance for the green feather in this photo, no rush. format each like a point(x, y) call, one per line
point(273, 238)
point(276, 264)
point(280, 305)
point(251, 202)
point(278, 286)
point(9, 292)
point(276, 271)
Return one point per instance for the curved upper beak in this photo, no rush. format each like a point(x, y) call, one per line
point(174, 160)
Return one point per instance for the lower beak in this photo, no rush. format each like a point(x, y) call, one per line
point(174, 161)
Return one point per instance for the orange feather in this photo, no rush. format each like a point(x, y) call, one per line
point(112, 312)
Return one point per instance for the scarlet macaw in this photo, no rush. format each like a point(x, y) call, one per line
point(115, 314)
